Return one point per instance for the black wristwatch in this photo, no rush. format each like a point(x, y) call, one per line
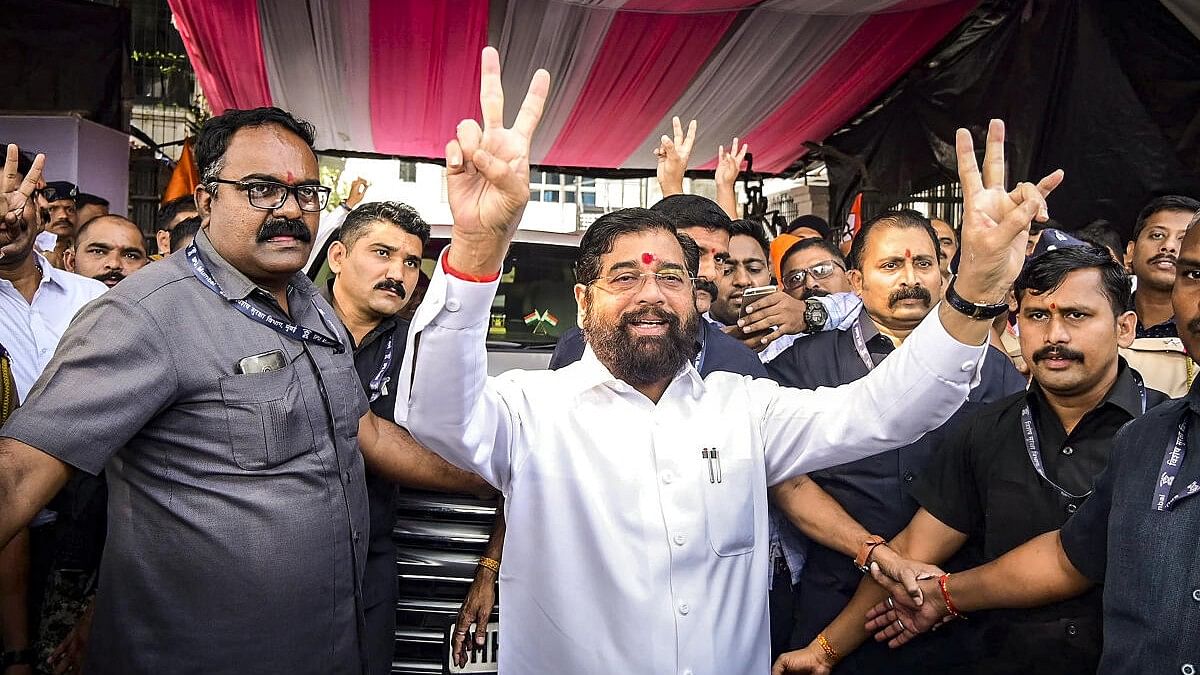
point(20, 657)
point(972, 309)
point(815, 315)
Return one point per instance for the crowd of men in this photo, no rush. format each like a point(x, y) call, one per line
point(751, 449)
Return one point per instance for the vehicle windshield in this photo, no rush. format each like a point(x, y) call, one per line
point(536, 299)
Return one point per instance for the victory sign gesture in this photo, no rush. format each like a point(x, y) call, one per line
point(15, 197)
point(487, 172)
point(996, 221)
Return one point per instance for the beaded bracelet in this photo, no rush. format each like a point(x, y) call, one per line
point(946, 597)
point(830, 652)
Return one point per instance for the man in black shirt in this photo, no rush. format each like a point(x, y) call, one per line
point(376, 259)
point(1136, 534)
point(845, 509)
point(991, 486)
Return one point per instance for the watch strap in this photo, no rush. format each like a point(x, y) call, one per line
point(972, 309)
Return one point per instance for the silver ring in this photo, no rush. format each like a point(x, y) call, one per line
point(890, 604)
point(900, 624)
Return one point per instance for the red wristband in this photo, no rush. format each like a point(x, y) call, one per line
point(946, 597)
point(467, 277)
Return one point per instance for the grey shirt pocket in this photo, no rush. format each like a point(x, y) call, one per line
point(267, 417)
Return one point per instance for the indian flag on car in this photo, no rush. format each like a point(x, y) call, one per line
point(540, 320)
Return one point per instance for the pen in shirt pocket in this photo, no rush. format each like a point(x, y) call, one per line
point(717, 460)
point(708, 460)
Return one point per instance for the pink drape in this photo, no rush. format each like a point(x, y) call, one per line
point(424, 74)
point(882, 50)
point(223, 41)
point(645, 63)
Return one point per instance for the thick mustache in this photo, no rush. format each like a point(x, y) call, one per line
point(1162, 256)
point(649, 313)
point(392, 285)
point(110, 276)
point(284, 227)
point(909, 293)
point(815, 293)
point(1057, 353)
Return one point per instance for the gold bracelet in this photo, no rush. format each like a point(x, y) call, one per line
point(493, 565)
point(830, 652)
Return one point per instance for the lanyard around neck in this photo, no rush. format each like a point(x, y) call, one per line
point(282, 326)
point(1169, 471)
point(1033, 444)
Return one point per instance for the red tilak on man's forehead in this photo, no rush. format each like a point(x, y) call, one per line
point(647, 258)
point(291, 178)
point(907, 253)
point(1053, 305)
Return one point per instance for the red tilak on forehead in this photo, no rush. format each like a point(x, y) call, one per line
point(1053, 306)
point(907, 253)
point(647, 258)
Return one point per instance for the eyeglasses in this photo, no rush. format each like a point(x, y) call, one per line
point(270, 195)
point(671, 281)
point(821, 270)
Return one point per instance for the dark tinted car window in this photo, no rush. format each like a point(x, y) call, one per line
point(536, 300)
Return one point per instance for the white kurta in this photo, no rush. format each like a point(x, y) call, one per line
point(622, 554)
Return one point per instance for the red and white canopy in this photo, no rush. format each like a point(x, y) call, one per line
point(396, 76)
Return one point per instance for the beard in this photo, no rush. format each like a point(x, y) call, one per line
point(642, 359)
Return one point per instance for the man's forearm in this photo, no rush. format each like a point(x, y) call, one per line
point(727, 200)
point(1035, 573)
point(29, 478)
point(495, 545)
point(394, 454)
point(14, 583)
point(819, 516)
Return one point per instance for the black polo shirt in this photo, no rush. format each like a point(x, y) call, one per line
point(379, 580)
point(1148, 560)
point(981, 482)
point(873, 490)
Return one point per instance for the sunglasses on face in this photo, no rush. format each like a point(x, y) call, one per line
point(821, 270)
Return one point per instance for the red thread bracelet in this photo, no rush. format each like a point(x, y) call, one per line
point(467, 277)
point(946, 597)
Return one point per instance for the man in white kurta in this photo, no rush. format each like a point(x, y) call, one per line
point(628, 552)
point(621, 555)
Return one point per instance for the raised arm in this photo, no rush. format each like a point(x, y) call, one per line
point(875, 413)
point(452, 408)
point(729, 165)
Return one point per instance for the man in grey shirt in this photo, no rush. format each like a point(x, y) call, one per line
point(218, 390)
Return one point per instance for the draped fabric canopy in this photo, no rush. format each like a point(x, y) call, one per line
point(395, 76)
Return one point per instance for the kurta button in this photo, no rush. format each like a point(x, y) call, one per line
point(679, 539)
point(453, 305)
point(667, 477)
point(967, 366)
point(908, 476)
point(356, 537)
point(1196, 595)
point(1188, 669)
point(1068, 450)
point(683, 608)
point(1072, 630)
point(1071, 508)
